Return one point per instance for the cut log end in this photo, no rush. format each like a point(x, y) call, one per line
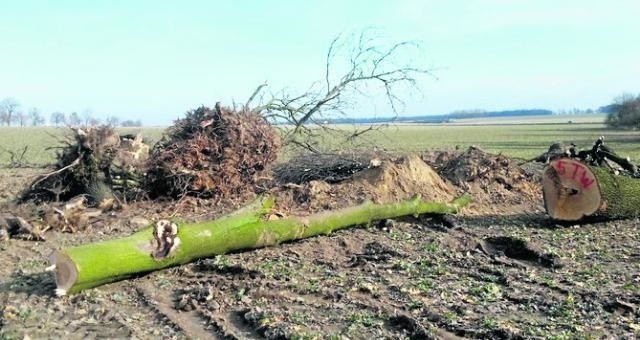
point(570, 190)
point(65, 272)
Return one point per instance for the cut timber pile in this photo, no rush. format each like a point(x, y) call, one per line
point(595, 182)
point(330, 168)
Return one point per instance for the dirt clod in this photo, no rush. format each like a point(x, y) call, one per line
point(413, 328)
point(138, 222)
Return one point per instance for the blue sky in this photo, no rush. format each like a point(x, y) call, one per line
point(154, 60)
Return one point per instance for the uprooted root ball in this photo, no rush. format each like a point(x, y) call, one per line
point(95, 162)
point(213, 153)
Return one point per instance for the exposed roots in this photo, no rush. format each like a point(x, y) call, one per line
point(97, 163)
point(213, 153)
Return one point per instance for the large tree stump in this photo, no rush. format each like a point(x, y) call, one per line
point(573, 190)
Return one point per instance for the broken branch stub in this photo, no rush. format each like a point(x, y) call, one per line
point(168, 245)
point(165, 239)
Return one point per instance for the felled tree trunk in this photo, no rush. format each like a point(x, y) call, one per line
point(167, 244)
point(573, 190)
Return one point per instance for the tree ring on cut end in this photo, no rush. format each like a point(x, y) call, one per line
point(570, 190)
point(65, 272)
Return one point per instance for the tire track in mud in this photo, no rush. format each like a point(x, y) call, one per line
point(157, 301)
point(201, 305)
point(27, 291)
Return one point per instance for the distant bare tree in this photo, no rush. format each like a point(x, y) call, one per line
point(74, 119)
point(8, 109)
point(22, 118)
point(94, 122)
point(35, 117)
point(3, 117)
point(58, 118)
point(87, 117)
point(113, 121)
point(367, 66)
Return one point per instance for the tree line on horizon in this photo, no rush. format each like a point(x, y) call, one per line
point(624, 112)
point(11, 113)
point(444, 118)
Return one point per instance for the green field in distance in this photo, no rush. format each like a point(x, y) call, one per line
point(516, 140)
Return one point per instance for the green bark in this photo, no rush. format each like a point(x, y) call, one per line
point(108, 261)
point(621, 194)
point(113, 260)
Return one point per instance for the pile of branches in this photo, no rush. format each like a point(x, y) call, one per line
point(212, 153)
point(598, 155)
point(95, 162)
point(331, 168)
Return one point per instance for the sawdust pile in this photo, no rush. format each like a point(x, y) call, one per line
point(391, 180)
point(213, 153)
point(494, 179)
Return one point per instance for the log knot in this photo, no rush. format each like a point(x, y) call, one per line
point(165, 239)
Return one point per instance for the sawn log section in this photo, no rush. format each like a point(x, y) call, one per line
point(573, 190)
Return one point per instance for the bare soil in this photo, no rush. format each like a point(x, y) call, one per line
point(500, 269)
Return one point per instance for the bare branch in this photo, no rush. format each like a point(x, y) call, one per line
point(75, 163)
point(368, 66)
point(328, 61)
point(255, 93)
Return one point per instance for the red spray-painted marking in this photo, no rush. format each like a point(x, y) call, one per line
point(578, 170)
point(586, 181)
point(576, 167)
point(559, 166)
